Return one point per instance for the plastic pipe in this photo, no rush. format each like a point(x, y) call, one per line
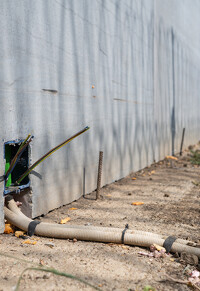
point(13, 207)
point(52, 230)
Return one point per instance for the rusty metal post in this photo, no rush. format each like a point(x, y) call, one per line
point(84, 182)
point(182, 140)
point(99, 175)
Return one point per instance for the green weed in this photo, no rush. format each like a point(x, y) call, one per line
point(195, 157)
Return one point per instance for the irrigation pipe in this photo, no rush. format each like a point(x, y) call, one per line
point(13, 207)
point(83, 233)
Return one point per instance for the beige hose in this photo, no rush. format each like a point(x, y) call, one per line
point(13, 207)
point(18, 219)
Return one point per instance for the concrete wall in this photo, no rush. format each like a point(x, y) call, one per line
point(141, 56)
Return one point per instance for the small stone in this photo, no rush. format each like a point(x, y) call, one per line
point(51, 245)
point(46, 276)
point(191, 147)
point(74, 240)
point(29, 276)
point(41, 262)
point(176, 255)
point(189, 259)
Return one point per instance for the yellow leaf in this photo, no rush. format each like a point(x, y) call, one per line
point(153, 172)
point(34, 238)
point(28, 242)
point(65, 220)
point(134, 178)
point(41, 262)
point(137, 203)
point(124, 247)
point(159, 248)
point(73, 208)
point(109, 195)
point(9, 228)
point(171, 158)
point(19, 233)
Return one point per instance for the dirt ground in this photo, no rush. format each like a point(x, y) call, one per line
point(171, 196)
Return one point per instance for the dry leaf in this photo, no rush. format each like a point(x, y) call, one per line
point(133, 178)
point(171, 158)
point(73, 208)
point(195, 183)
point(113, 244)
point(125, 247)
point(19, 233)
point(34, 238)
point(159, 248)
point(9, 228)
point(109, 195)
point(137, 203)
point(65, 220)
point(28, 242)
point(51, 245)
point(153, 172)
point(42, 262)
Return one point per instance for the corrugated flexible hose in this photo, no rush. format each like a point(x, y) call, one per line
point(91, 233)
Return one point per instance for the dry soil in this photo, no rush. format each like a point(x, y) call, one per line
point(171, 195)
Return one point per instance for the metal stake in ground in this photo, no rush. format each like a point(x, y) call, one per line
point(99, 175)
point(84, 182)
point(182, 140)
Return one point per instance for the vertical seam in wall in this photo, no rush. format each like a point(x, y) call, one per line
point(154, 77)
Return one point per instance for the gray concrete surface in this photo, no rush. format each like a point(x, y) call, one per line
point(128, 69)
point(1, 191)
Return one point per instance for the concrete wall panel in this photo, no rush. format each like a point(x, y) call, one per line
point(128, 69)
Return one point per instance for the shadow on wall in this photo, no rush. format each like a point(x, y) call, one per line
point(173, 120)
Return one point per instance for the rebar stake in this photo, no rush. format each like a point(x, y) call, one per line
point(84, 182)
point(182, 140)
point(99, 175)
